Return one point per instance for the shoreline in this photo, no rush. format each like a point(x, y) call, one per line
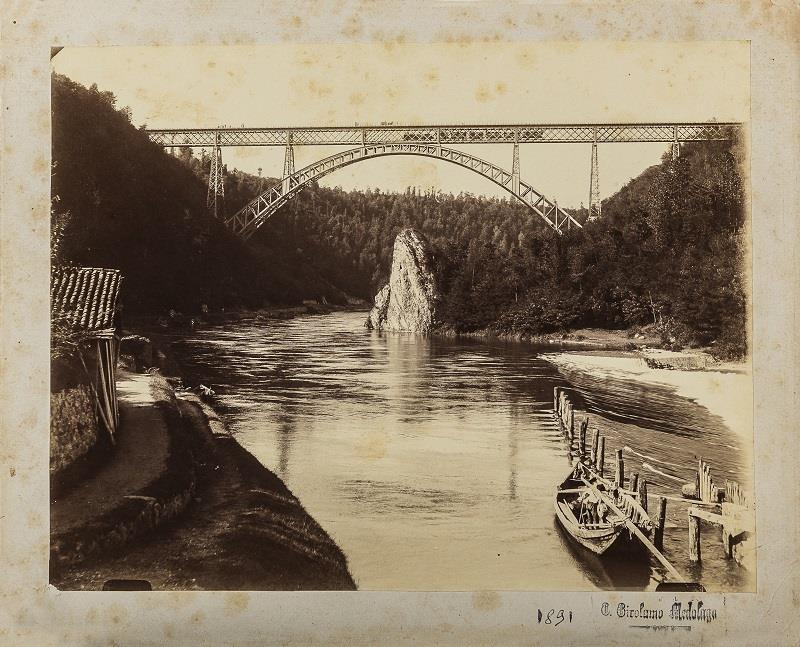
point(241, 528)
point(641, 341)
point(725, 389)
point(582, 339)
point(145, 323)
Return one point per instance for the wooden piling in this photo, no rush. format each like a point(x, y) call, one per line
point(619, 476)
point(633, 482)
point(571, 423)
point(595, 440)
point(704, 487)
point(661, 518)
point(566, 423)
point(601, 455)
point(697, 479)
point(643, 493)
point(582, 437)
point(555, 400)
point(727, 544)
point(694, 538)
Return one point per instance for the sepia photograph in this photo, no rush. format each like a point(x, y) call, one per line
point(399, 323)
point(377, 324)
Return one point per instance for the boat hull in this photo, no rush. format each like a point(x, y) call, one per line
point(603, 539)
point(597, 541)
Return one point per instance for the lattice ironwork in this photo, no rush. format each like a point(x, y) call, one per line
point(676, 145)
point(594, 186)
point(253, 215)
point(288, 162)
point(216, 184)
point(446, 134)
point(515, 168)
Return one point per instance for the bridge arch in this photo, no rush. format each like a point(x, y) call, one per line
point(246, 221)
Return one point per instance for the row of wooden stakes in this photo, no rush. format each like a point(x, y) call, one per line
point(737, 519)
point(564, 411)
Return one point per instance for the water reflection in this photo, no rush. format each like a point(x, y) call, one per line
point(432, 462)
point(617, 572)
point(286, 430)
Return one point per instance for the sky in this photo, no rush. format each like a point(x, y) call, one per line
point(293, 84)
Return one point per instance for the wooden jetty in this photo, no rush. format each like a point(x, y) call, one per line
point(623, 502)
point(730, 507)
point(732, 512)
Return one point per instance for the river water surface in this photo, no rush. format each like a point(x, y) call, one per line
point(432, 462)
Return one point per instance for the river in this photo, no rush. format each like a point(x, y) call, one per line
point(432, 461)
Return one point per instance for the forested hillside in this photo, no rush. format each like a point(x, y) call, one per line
point(668, 251)
point(126, 204)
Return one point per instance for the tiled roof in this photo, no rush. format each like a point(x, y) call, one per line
point(85, 296)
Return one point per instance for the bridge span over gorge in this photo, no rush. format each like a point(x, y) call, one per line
point(368, 142)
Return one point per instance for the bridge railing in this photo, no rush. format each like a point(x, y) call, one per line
point(448, 134)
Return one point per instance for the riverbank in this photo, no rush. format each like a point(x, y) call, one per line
point(645, 342)
point(238, 527)
point(179, 321)
point(582, 338)
point(725, 389)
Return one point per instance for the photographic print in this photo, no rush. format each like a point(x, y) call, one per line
point(402, 317)
point(398, 323)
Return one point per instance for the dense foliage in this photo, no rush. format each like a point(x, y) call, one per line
point(129, 205)
point(668, 251)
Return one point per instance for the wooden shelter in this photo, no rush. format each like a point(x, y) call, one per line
point(86, 300)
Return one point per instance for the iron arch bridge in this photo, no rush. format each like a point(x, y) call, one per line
point(253, 215)
point(391, 139)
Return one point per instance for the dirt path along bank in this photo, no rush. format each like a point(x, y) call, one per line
point(243, 529)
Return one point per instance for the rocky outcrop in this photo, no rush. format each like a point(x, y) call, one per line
point(377, 316)
point(408, 302)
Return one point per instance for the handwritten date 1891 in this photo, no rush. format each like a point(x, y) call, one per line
point(553, 617)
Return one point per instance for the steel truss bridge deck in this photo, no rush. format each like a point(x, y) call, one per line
point(444, 134)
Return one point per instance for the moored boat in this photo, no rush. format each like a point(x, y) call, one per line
point(598, 514)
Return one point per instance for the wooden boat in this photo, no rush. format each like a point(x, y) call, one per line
point(599, 528)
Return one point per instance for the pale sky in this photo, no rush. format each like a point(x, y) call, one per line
point(290, 84)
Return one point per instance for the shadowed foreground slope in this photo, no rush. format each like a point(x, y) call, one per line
point(244, 530)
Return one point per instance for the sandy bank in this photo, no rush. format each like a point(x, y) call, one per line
point(726, 390)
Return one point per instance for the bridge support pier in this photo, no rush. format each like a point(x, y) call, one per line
point(216, 185)
point(288, 163)
point(515, 165)
point(594, 184)
point(676, 146)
